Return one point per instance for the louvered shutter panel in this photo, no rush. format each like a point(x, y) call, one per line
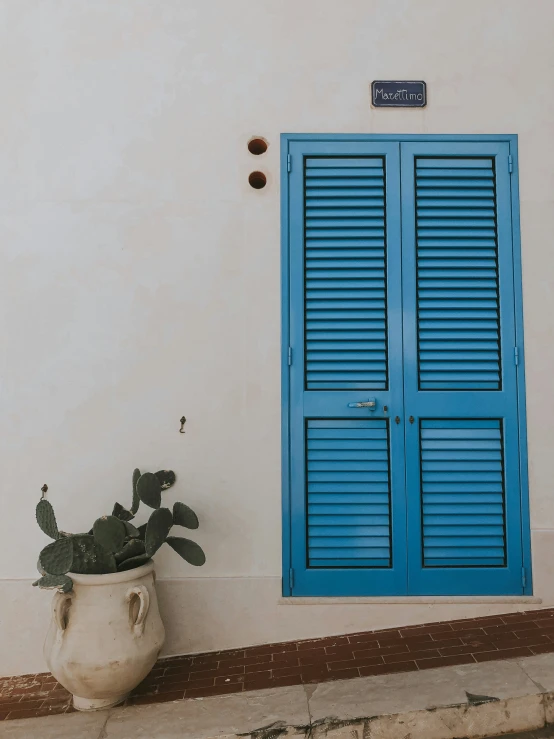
point(457, 274)
point(462, 485)
point(345, 274)
point(345, 284)
point(348, 494)
point(462, 453)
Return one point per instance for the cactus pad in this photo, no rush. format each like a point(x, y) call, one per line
point(188, 550)
point(166, 477)
point(149, 490)
point(89, 558)
point(122, 513)
point(184, 516)
point(109, 533)
point(159, 525)
point(46, 518)
point(132, 562)
point(136, 500)
point(60, 582)
point(131, 530)
point(57, 558)
point(133, 548)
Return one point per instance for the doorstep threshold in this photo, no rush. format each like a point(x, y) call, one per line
point(412, 600)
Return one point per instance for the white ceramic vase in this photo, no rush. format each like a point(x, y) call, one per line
point(105, 636)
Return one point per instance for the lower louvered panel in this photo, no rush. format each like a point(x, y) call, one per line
point(348, 494)
point(457, 275)
point(345, 286)
point(462, 478)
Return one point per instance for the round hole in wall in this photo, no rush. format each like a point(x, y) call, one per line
point(257, 180)
point(257, 146)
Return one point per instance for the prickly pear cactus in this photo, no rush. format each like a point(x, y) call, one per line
point(55, 582)
point(184, 516)
point(122, 513)
point(89, 558)
point(46, 518)
point(157, 530)
point(109, 533)
point(149, 490)
point(166, 478)
point(133, 548)
point(136, 500)
point(189, 550)
point(57, 558)
point(114, 544)
point(131, 531)
point(132, 562)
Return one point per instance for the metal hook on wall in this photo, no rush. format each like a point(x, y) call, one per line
point(183, 421)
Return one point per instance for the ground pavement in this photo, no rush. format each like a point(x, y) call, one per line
point(479, 699)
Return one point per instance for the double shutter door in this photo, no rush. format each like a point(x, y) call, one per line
point(402, 396)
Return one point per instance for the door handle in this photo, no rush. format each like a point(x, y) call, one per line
point(371, 403)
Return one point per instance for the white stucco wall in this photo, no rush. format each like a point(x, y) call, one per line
point(140, 272)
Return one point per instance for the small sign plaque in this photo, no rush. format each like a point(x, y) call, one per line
point(398, 94)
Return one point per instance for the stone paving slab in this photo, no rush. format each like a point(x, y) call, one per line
point(231, 715)
point(398, 694)
point(69, 726)
point(474, 701)
point(539, 669)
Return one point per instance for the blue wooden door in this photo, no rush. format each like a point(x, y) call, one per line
point(462, 445)
point(402, 389)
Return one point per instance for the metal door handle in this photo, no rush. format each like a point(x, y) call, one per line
point(371, 403)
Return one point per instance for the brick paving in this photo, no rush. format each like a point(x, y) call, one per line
point(318, 660)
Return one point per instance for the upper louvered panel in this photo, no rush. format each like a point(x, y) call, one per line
point(348, 494)
point(345, 274)
point(462, 478)
point(457, 275)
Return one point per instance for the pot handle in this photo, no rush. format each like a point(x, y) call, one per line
point(143, 595)
point(60, 609)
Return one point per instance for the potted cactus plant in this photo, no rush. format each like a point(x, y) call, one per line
point(106, 632)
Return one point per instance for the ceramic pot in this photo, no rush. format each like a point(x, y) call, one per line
point(105, 636)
